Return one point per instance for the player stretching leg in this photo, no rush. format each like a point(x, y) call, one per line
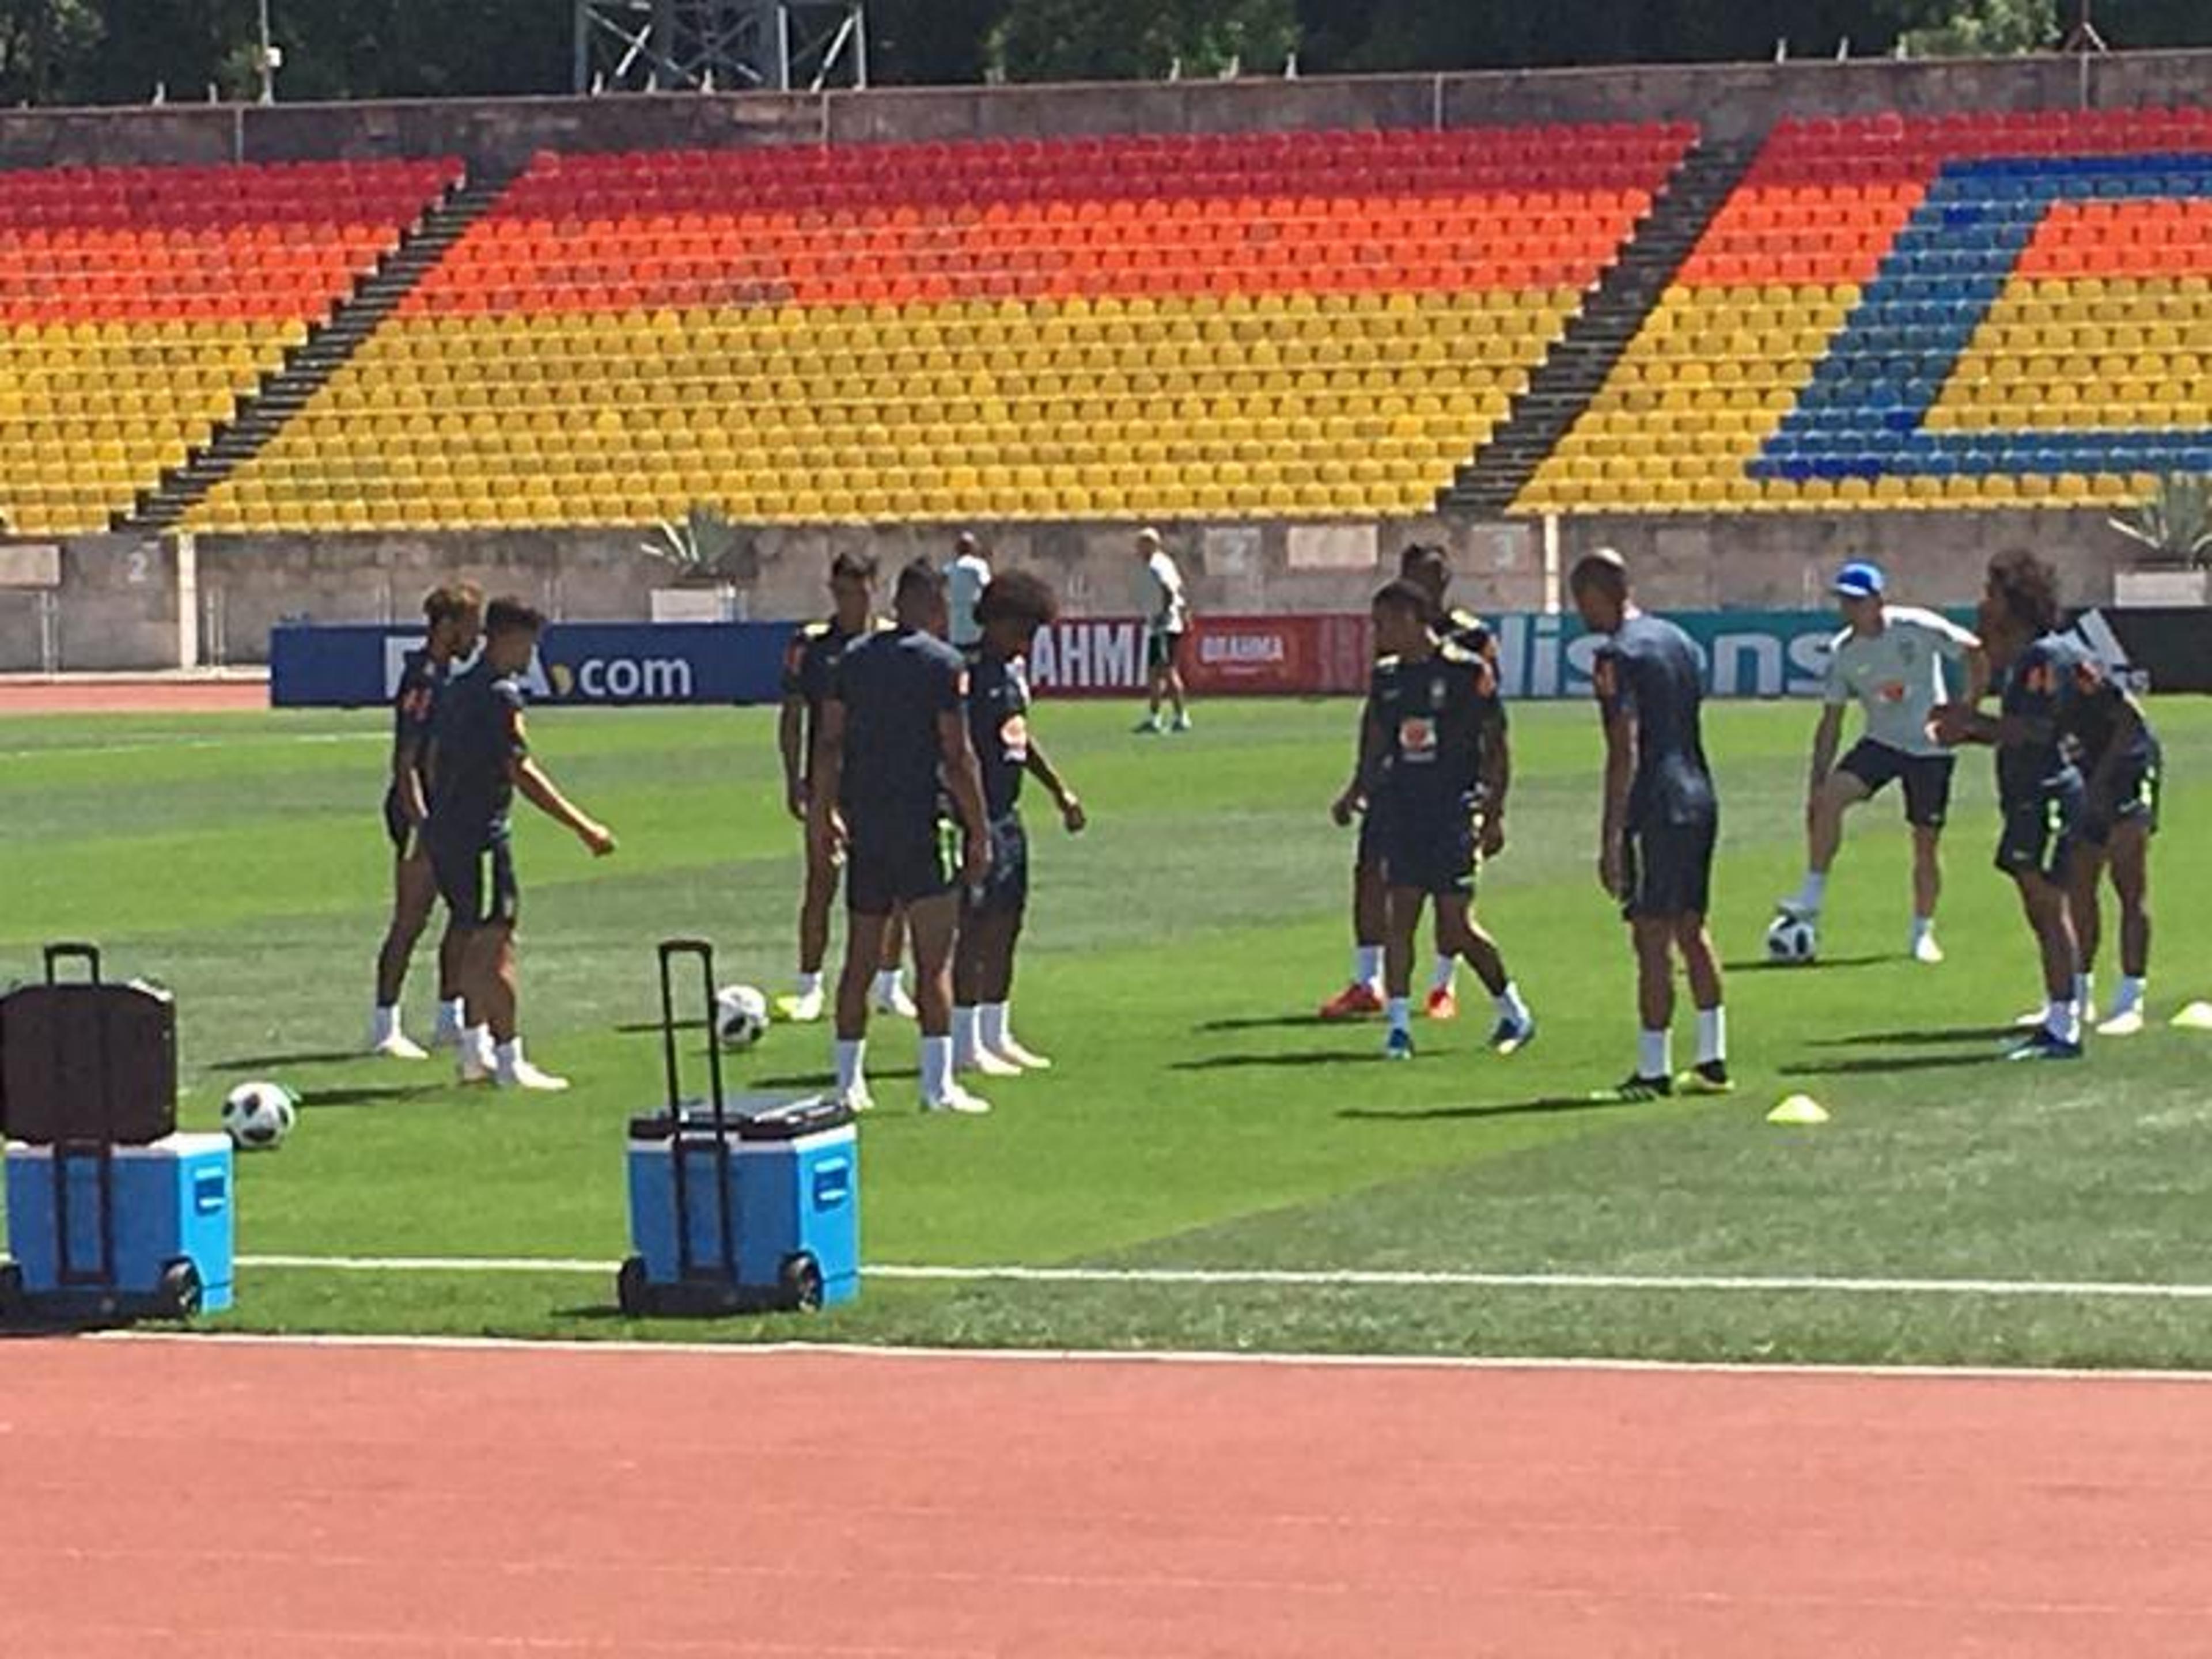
point(1890, 661)
point(894, 743)
point(1427, 707)
point(1363, 994)
point(1661, 821)
point(2121, 764)
point(2038, 787)
point(480, 760)
point(808, 662)
point(1011, 610)
point(455, 614)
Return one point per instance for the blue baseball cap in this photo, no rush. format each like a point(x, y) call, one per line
point(1861, 579)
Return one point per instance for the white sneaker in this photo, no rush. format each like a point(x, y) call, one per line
point(982, 1059)
point(523, 1075)
point(803, 1008)
point(857, 1099)
point(2129, 1024)
point(1796, 910)
point(2029, 1021)
point(398, 1046)
point(1926, 950)
point(897, 1004)
point(1021, 1058)
point(1181, 723)
point(957, 1099)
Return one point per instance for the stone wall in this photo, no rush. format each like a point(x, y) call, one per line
point(1731, 99)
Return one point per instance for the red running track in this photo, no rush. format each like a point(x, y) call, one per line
point(127, 697)
point(196, 1498)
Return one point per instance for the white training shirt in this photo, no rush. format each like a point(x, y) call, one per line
point(1897, 676)
point(965, 578)
point(1159, 591)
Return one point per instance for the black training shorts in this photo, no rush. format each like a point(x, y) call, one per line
point(477, 881)
point(1669, 870)
point(2040, 830)
point(1005, 890)
point(900, 859)
point(1162, 648)
point(1431, 849)
point(1927, 779)
point(2134, 799)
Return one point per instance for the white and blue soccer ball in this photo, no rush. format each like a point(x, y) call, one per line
point(258, 1115)
point(740, 1016)
point(1792, 941)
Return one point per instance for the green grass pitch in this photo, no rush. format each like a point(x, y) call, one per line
point(1199, 1118)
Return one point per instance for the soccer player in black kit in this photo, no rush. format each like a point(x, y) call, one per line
point(1012, 608)
point(2122, 769)
point(809, 661)
point(455, 615)
point(2039, 789)
point(893, 748)
point(1422, 752)
point(1661, 822)
point(480, 758)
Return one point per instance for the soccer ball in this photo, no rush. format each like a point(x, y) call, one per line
point(258, 1115)
point(740, 1016)
point(1791, 940)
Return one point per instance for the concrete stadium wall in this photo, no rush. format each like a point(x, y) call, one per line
point(1731, 99)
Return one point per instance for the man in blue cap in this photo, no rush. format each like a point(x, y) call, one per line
point(1890, 661)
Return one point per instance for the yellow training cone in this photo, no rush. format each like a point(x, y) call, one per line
point(1799, 1109)
point(2196, 1016)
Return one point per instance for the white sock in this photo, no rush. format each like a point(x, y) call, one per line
point(1814, 892)
point(383, 1024)
point(1655, 1053)
point(964, 1031)
point(2131, 994)
point(1401, 1012)
point(1509, 1005)
point(889, 983)
point(452, 1014)
point(1367, 964)
point(1923, 926)
point(2085, 990)
point(508, 1055)
point(478, 1039)
point(2064, 1020)
point(810, 984)
point(936, 1067)
point(852, 1060)
point(1713, 1035)
point(1447, 970)
point(991, 1026)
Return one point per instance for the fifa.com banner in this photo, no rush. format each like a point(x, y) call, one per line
point(1746, 653)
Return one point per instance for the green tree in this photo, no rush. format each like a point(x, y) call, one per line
point(1978, 29)
point(1140, 40)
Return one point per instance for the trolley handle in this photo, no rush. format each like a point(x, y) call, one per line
point(63, 951)
point(672, 951)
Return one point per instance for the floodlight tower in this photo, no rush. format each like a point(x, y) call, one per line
point(719, 46)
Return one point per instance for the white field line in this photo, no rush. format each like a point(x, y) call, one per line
point(1328, 1278)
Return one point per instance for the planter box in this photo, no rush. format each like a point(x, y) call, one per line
point(697, 605)
point(2142, 589)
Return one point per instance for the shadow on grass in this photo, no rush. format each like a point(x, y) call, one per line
point(813, 1080)
point(1547, 1104)
point(1761, 965)
point(1927, 1038)
point(275, 1062)
point(1272, 1061)
point(1876, 1065)
point(1259, 1022)
point(313, 1100)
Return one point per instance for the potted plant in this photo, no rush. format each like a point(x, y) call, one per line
point(702, 549)
point(2174, 521)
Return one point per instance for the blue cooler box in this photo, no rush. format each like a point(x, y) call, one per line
point(169, 1215)
point(794, 1205)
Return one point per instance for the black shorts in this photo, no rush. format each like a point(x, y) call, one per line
point(1432, 850)
point(1669, 870)
point(1006, 889)
point(888, 865)
point(2039, 832)
point(477, 881)
point(1927, 779)
point(2134, 799)
point(1162, 648)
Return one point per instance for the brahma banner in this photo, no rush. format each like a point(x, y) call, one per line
point(1221, 656)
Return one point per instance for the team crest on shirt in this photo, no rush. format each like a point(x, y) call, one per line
point(1417, 738)
point(1891, 691)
